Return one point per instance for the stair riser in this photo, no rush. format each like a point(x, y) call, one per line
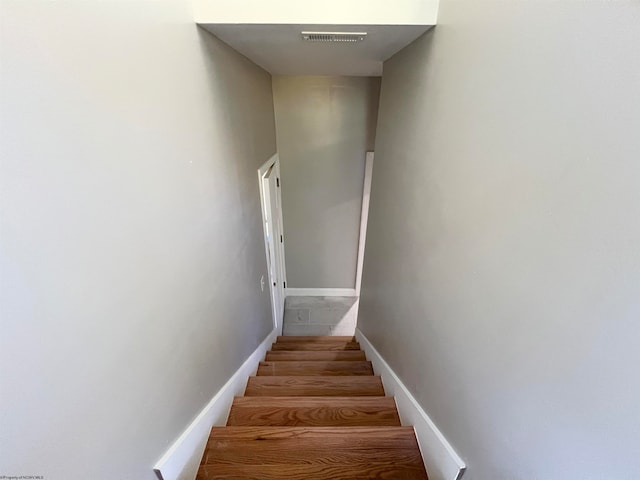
point(310, 472)
point(314, 339)
point(305, 356)
point(314, 368)
point(299, 346)
point(302, 454)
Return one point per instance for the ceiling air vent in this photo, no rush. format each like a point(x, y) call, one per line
point(348, 37)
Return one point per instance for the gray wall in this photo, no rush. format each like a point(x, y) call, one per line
point(132, 243)
point(502, 270)
point(324, 125)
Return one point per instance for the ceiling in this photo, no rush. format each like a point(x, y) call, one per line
point(280, 49)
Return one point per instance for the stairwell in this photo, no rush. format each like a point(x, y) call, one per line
point(315, 410)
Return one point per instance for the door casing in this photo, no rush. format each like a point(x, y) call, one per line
point(273, 234)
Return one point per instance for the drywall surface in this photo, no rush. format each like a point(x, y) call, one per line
point(325, 125)
point(131, 237)
point(372, 12)
point(502, 268)
point(281, 50)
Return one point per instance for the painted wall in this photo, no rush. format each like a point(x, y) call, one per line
point(131, 249)
point(325, 125)
point(372, 12)
point(502, 270)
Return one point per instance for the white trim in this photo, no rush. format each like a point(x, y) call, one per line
point(182, 459)
point(282, 256)
point(277, 311)
point(440, 459)
point(364, 217)
point(320, 292)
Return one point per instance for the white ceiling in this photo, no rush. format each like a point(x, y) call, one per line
point(280, 49)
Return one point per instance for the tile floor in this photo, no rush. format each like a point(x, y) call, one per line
point(320, 315)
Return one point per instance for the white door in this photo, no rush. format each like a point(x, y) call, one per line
point(274, 239)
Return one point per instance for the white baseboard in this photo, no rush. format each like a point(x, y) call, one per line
point(440, 459)
point(182, 459)
point(320, 292)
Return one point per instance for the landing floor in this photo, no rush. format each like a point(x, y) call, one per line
point(320, 316)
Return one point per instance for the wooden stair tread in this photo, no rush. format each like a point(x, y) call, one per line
point(314, 338)
point(326, 346)
point(315, 386)
point(313, 411)
point(311, 355)
point(352, 438)
point(312, 452)
point(285, 368)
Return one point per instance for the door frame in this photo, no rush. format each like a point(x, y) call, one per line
point(276, 310)
point(364, 218)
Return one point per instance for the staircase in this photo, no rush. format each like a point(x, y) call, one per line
point(314, 411)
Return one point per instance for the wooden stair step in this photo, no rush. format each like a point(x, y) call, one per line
point(276, 445)
point(323, 346)
point(314, 338)
point(315, 386)
point(315, 368)
point(314, 411)
point(312, 453)
point(310, 355)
